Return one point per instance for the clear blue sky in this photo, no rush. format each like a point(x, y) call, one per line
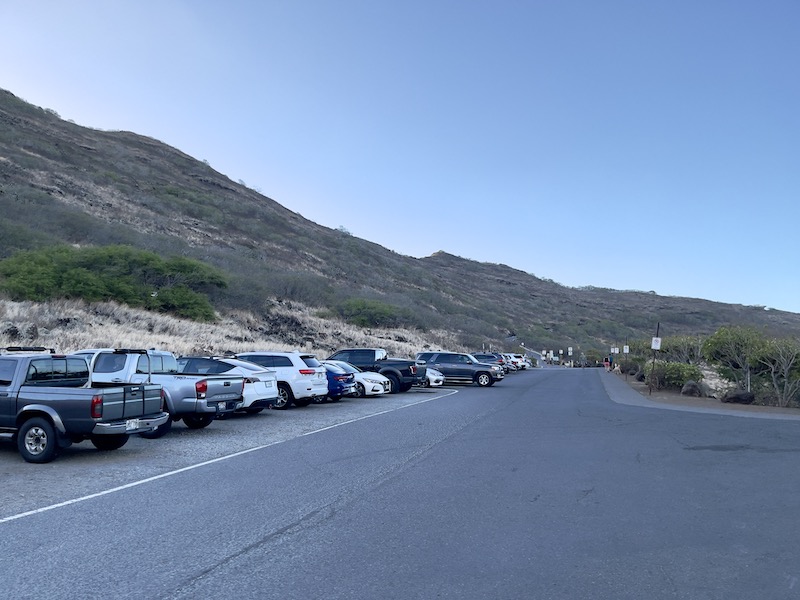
point(647, 145)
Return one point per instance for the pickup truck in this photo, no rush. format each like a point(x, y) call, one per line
point(401, 372)
point(46, 404)
point(195, 399)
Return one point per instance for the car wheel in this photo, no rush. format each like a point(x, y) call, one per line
point(360, 390)
point(36, 441)
point(109, 442)
point(483, 379)
point(404, 387)
point(198, 421)
point(159, 431)
point(285, 397)
point(395, 383)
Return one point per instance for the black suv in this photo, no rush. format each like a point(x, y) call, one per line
point(459, 367)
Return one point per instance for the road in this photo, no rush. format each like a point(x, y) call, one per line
point(542, 486)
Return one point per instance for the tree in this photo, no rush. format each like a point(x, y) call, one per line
point(735, 351)
point(687, 349)
point(781, 358)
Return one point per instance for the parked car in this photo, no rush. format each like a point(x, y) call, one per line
point(301, 377)
point(48, 402)
point(340, 382)
point(403, 373)
point(367, 382)
point(260, 384)
point(433, 378)
point(459, 367)
point(491, 358)
point(195, 399)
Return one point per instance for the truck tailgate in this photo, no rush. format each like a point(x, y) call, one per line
point(222, 388)
point(130, 401)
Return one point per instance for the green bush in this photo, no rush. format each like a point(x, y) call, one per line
point(372, 313)
point(671, 375)
point(134, 277)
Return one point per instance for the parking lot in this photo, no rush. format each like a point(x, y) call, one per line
point(81, 470)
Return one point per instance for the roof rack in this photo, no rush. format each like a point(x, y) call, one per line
point(28, 349)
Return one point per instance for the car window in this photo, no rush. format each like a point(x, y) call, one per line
point(282, 361)
point(264, 361)
point(448, 358)
point(311, 361)
point(7, 368)
point(108, 362)
point(424, 356)
point(344, 355)
point(360, 356)
point(54, 372)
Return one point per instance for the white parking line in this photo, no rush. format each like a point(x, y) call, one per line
point(207, 462)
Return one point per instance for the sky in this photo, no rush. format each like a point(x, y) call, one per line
point(648, 145)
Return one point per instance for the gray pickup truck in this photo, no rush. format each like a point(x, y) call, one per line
point(46, 404)
point(195, 399)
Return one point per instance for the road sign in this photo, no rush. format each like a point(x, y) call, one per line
point(656, 345)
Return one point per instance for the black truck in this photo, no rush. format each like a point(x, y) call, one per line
point(402, 372)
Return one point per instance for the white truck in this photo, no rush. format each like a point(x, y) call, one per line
point(195, 399)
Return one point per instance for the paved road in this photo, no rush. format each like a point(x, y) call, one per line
point(539, 487)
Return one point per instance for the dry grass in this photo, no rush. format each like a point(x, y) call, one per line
point(68, 325)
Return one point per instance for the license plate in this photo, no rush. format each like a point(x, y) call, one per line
point(221, 407)
point(131, 424)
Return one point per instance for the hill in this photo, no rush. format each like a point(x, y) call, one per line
point(63, 183)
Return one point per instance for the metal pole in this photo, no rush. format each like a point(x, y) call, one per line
point(650, 383)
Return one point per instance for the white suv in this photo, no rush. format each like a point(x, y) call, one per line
point(301, 377)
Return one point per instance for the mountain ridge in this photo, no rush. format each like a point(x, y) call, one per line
point(64, 183)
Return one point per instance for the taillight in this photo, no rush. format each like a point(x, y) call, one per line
point(97, 407)
point(307, 371)
point(413, 369)
point(201, 388)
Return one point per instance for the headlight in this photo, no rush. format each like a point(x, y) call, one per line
point(368, 380)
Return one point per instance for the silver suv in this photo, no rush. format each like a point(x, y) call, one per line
point(301, 377)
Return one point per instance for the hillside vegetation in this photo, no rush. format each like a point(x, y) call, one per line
point(63, 184)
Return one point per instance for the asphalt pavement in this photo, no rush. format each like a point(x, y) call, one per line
point(541, 486)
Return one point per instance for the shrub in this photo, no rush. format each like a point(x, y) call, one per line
point(671, 375)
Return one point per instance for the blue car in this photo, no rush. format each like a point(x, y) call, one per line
point(340, 383)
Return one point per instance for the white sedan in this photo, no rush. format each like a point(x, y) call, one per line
point(260, 384)
point(367, 382)
point(433, 377)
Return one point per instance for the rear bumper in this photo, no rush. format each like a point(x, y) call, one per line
point(131, 426)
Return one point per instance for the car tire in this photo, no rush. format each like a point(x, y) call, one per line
point(159, 431)
point(404, 387)
point(36, 440)
point(334, 398)
point(394, 383)
point(109, 442)
point(484, 379)
point(361, 392)
point(198, 421)
point(285, 397)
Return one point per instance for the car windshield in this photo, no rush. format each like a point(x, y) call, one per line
point(347, 367)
